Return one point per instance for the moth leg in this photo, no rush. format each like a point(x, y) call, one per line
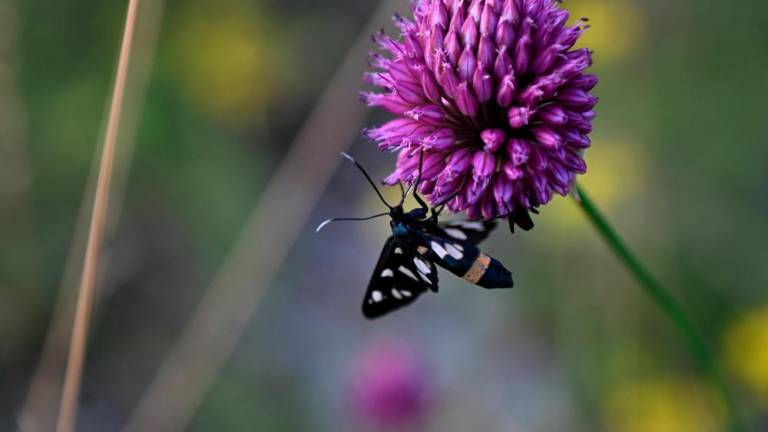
point(421, 167)
point(435, 214)
point(420, 201)
point(416, 196)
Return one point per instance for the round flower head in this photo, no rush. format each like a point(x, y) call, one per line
point(390, 389)
point(492, 94)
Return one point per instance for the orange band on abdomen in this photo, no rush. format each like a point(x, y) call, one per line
point(478, 269)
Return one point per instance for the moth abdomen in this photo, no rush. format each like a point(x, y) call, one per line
point(488, 272)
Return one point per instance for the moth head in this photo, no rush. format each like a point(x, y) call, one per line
point(417, 213)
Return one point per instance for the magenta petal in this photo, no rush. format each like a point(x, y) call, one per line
point(519, 117)
point(460, 162)
point(430, 86)
point(506, 91)
point(453, 47)
point(482, 84)
point(466, 103)
point(547, 137)
point(518, 150)
point(486, 53)
point(493, 139)
point(553, 114)
point(502, 190)
point(484, 164)
point(512, 172)
point(467, 64)
point(469, 33)
point(523, 47)
point(488, 21)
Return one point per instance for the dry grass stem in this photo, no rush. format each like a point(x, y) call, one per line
point(73, 377)
point(38, 413)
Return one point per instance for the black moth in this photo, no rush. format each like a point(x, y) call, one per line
point(406, 268)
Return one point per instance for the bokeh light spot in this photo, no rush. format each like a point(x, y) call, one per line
point(617, 31)
point(616, 173)
point(745, 346)
point(664, 405)
point(228, 60)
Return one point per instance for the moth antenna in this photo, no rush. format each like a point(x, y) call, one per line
point(322, 225)
point(325, 223)
point(368, 177)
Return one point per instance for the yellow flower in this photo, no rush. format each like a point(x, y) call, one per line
point(664, 405)
point(617, 28)
point(745, 347)
point(227, 59)
point(616, 172)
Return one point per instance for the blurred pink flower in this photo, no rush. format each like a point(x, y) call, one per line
point(389, 388)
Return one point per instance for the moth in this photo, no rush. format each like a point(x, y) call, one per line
point(407, 267)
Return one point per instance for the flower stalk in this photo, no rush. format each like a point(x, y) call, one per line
point(668, 304)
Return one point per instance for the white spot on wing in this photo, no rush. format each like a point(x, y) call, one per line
point(422, 266)
point(377, 296)
point(396, 293)
point(398, 251)
point(426, 279)
point(477, 226)
point(405, 293)
point(456, 233)
point(407, 272)
point(438, 249)
point(451, 249)
point(387, 273)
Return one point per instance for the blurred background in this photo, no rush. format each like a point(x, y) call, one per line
point(679, 164)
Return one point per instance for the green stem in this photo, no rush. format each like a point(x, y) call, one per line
point(667, 302)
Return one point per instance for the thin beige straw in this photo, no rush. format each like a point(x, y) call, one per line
point(274, 226)
point(73, 376)
point(38, 413)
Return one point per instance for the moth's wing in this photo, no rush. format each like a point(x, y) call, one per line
point(522, 219)
point(466, 231)
point(465, 260)
point(399, 278)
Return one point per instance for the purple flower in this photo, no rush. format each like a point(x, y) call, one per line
point(389, 386)
point(493, 94)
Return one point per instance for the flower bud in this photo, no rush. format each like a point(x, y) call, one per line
point(493, 139)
